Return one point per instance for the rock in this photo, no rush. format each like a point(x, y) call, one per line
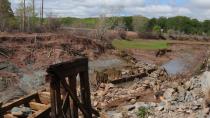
point(131, 108)
point(95, 103)
point(109, 86)
point(206, 110)
point(16, 112)
point(21, 111)
point(196, 92)
point(133, 101)
point(3, 85)
point(159, 108)
point(188, 96)
point(30, 82)
point(102, 85)
point(187, 85)
point(174, 85)
point(168, 93)
point(182, 93)
point(101, 93)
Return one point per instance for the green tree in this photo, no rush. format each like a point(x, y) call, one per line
point(140, 23)
point(206, 27)
point(6, 14)
point(157, 29)
point(128, 21)
point(152, 22)
point(162, 22)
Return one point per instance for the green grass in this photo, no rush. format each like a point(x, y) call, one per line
point(143, 112)
point(140, 44)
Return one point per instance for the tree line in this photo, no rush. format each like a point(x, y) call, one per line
point(175, 25)
point(24, 18)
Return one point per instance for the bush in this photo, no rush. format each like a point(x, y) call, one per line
point(143, 112)
point(122, 34)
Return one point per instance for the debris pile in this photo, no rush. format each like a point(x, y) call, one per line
point(129, 73)
point(110, 95)
point(178, 100)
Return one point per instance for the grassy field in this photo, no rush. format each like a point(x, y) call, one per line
point(140, 44)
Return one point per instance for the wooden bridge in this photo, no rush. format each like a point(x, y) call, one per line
point(65, 100)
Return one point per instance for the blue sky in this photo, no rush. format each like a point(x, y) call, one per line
point(199, 9)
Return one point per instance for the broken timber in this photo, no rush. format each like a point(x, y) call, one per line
point(64, 75)
point(63, 105)
point(4, 109)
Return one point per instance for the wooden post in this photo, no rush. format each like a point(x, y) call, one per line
point(65, 74)
point(1, 114)
point(85, 92)
point(52, 96)
point(73, 87)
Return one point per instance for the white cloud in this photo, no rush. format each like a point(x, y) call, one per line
point(201, 3)
point(91, 8)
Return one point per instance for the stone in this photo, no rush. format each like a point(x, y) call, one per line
point(21, 111)
point(188, 97)
point(196, 92)
point(187, 85)
point(16, 112)
point(101, 93)
point(133, 101)
point(131, 108)
point(168, 93)
point(174, 85)
point(3, 85)
point(159, 108)
point(182, 92)
point(206, 110)
point(95, 103)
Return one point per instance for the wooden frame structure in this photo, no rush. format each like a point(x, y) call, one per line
point(64, 75)
point(25, 100)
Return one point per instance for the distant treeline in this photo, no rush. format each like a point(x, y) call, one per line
point(25, 19)
point(177, 25)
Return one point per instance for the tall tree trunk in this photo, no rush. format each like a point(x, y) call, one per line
point(42, 17)
point(24, 14)
point(33, 8)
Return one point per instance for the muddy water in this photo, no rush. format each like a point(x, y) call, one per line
point(175, 66)
point(180, 64)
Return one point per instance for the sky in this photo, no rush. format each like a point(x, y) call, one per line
point(199, 9)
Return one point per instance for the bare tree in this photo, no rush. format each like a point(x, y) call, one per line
point(42, 12)
point(106, 21)
point(24, 14)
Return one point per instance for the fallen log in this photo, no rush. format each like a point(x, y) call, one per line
point(128, 78)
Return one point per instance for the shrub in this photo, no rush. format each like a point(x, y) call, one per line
point(143, 112)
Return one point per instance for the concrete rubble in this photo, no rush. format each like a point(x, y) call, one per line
point(177, 101)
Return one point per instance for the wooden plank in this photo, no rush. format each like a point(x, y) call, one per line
point(1, 113)
point(128, 78)
point(44, 114)
point(44, 97)
point(18, 102)
point(85, 92)
point(52, 96)
point(74, 98)
point(66, 106)
point(58, 99)
point(66, 68)
point(37, 106)
point(73, 87)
